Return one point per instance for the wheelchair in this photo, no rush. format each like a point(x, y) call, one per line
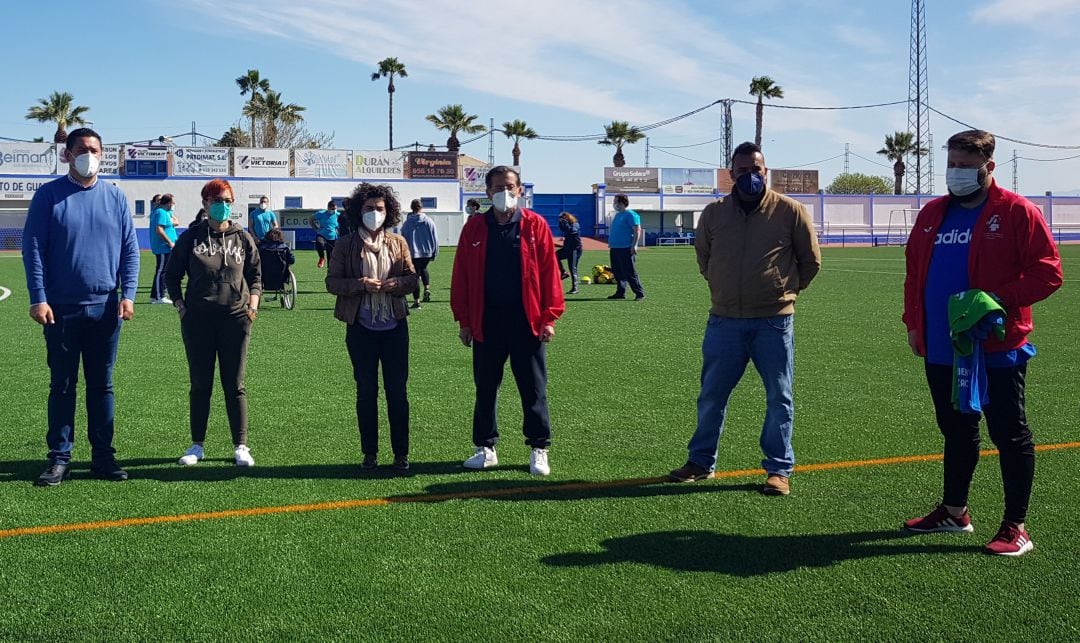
point(278, 278)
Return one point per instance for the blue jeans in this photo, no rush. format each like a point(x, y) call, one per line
point(769, 342)
point(89, 333)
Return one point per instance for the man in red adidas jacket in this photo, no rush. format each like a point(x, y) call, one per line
point(506, 294)
point(983, 237)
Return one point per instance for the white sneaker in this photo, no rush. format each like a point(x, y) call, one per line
point(243, 456)
point(155, 300)
point(538, 463)
point(165, 300)
point(482, 459)
point(192, 456)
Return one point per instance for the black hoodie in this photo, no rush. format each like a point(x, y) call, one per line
point(222, 268)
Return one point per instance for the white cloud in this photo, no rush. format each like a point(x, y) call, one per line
point(861, 38)
point(1008, 12)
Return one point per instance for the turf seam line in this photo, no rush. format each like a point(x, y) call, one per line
point(338, 505)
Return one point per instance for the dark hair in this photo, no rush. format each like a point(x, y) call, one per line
point(622, 199)
point(264, 198)
point(500, 170)
point(157, 197)
point(274, 235)
point(166, 199)
point(82, 132)
point(416, 205)
point(473, 202)
point(975, 141)
point(365, 191)
point(568, 217)
point(745, 148)
point(331, 202)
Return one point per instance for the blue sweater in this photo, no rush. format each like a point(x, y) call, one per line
point(419, 231)
point(79, 244)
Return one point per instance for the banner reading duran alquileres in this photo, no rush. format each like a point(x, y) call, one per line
point(260, 161)
point(687, 180)
point(27, 158)
point(378, 165)
point(322, 164)
point(201, 161)
point(632, 179)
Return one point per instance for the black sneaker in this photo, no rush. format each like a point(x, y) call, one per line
point(53, 475)
point(573, 291)
point(370, 462)
point(639, 297)
point(415, 304)
point(689, 472)
point(427, 296)
point(108, 470)
point(401, 463)
point(616, 296)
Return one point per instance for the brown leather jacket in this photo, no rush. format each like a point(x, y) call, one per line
point(347, 267)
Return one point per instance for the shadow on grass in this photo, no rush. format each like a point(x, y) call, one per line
point(745, 555)
point(555, 490)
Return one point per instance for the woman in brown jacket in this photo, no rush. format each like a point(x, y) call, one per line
point(371, 273)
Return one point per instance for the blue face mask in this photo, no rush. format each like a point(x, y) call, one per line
point(751, 184)
point(220, 211)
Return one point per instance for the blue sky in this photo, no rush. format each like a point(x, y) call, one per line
point(566, 67)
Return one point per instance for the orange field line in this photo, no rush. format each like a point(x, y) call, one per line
point(43, 530)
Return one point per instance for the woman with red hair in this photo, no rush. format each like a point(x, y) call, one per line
point(224, 283)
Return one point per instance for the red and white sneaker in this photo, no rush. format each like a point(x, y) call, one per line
point(321, 263)
point(1010, 541)
point(940, 520)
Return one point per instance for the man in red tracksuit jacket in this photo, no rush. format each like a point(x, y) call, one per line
point(506, 294)
point(983, 237)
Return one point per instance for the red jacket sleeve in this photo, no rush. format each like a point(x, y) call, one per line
point(552, 300)
point(459, 281)
point(1041, 273)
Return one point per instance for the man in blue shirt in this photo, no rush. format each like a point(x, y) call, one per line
point(262, 220)
point(79, 248)
point(162, 240)
point(623, 236)
point(325, 224)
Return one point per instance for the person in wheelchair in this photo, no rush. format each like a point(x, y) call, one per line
point(276, 257)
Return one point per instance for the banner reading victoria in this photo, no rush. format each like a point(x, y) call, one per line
point(260, 161)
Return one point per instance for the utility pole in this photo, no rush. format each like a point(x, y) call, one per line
point(726, 136)
point(918, 100)
point(1016, 173)
point(193, 133)
point(491, 142)
point(930, 164)
point(646, 151)
point(847, 158)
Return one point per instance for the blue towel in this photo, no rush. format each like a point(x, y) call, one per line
point(972, 390)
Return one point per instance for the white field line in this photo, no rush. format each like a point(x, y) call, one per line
point(4, 293)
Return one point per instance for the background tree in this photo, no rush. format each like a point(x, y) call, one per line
point(296, 136)
point(857, 183)
point(388, 68)
point(273, 113)
point(234, 137)
point(58, 108)
point(897, 148)
point(252, 83)
point(518, 130)
point(763, 87)
point(453, 119)
point(618, 134)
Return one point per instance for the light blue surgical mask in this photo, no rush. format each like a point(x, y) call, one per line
point(220, 211)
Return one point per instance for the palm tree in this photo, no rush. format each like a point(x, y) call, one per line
point(453, 119)
point(898, 147)
point(252, 83)
point(57, 108)
point(619, 133)
point(518, 130)
point(234, 137)
point(388, 68)
point(273, 111)
point(763, 87)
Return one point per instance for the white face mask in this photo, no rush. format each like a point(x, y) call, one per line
point(963, 181)
point(87, 165)
point(263, 206)
point(504, 201)
point(373, 220)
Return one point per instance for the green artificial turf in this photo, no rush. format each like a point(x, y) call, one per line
point(714, 560)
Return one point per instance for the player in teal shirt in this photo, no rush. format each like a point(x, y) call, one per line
point(262, 220)
point(325, 223)
point(162, 239)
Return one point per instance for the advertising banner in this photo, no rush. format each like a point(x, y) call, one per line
point(322, 164)
point(433, 165)
point(378, 165)
point(110, 159)
point(27, 158)
point(260, 161)
point(794, 181)
point(473, 178)
point(632, 179)
point(687, 180)
point(201, 161)
point(132, 153)
point(724, 183)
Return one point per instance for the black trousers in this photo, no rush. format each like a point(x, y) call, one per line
point(210, 337)
point(508, 335)
point(421, 264)
point(572, 256)
point(157, 287)
point(324, 246)
point(624, 265)
point(1008, 427)
point(368, 349)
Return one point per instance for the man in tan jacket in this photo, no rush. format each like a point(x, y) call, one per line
point(757, 250)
